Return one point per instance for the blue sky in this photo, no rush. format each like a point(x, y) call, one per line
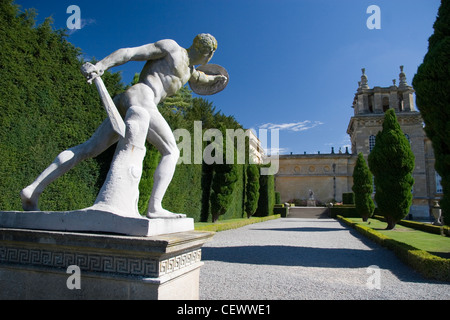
point(293, 64)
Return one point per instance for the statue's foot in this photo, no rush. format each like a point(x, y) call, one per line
point(164, 214)
point(29, 202)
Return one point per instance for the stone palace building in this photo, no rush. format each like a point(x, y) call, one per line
point(328, 176)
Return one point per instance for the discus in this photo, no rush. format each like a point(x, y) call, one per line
point(209, 89)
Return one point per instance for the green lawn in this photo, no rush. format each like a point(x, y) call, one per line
point(433, 243)
point(231, 223)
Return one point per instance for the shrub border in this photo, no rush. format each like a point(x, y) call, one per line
point(429, 265)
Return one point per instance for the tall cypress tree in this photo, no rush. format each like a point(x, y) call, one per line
point(432, 86)
point(224, 178)
point(392, 163)
point(362, 188)
point(252, 189)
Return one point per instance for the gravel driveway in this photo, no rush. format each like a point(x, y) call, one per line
point(294, 259)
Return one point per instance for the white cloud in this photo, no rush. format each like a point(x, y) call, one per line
point(83, 23)
point(86, 22)
point(293, 126)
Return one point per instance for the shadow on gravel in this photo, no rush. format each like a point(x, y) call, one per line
point(302, 229)
point(293, 256)
point(278, 255)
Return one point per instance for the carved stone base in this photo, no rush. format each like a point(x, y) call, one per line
point(35, 265)
point(93, 220)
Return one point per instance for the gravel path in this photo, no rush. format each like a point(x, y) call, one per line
point(295, 259)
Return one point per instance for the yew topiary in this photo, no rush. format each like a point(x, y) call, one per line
point(362, 188)
point(392, 163)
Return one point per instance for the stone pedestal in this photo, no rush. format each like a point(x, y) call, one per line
point(93, 220)
point(37, 265)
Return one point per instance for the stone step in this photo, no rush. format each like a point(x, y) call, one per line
point(308, 212)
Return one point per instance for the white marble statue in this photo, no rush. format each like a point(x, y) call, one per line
point(168, 68)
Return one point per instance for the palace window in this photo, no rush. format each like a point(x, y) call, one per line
point(371, 142)
point(438, 183)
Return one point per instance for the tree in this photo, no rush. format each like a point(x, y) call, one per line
point(252, 189)
point(222, 188)
point(362, 188)
point(181, 101)
point(432, 83)
point(266, 195)
point(392, 162)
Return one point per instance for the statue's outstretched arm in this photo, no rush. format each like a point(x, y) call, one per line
point(152, 51)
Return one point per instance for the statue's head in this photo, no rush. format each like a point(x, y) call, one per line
point(205, 45)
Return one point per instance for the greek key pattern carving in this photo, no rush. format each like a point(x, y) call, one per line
point(98, 263)
point(178, 262)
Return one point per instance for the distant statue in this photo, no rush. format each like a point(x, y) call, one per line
point(168, 68)
point(311, 195)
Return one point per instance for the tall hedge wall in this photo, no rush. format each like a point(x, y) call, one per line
point(47, 107)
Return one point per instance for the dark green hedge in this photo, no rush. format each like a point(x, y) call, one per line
point(266, 196)
point(184, 195)
point(282, 211)
point(345, 211)
point(348, 198)
point(47, 107)
point(277, 197)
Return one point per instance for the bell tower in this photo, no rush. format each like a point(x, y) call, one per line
point(369, 106)
point(379, 99)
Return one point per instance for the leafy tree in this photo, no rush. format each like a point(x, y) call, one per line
point(362, 188)
point(432, 83)
point(392, 162)
point(204, 111)
point(252, 189)
point(181, 101)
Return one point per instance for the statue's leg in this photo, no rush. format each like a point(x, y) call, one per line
point(161, 136)
point(103, 138)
